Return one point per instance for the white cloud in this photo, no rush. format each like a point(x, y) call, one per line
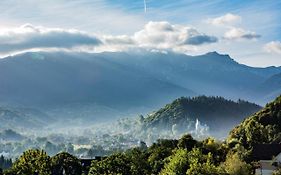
point(226, 19)
point(154, 35)
point(165, 35)
point(29, 37)
point(158, 35)
point(273, 47)
point(239, 33)
point(119, 39)
point(161, 35)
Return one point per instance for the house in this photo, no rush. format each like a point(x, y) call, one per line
point(268, 157)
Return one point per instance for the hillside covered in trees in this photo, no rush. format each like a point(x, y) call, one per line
point(262, 127)
point(183, 113)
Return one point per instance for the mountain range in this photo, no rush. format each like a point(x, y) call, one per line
point(113, 84)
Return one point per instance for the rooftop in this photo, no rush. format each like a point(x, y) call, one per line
point(266, 151)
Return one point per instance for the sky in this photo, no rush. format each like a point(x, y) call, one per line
point(249, 31)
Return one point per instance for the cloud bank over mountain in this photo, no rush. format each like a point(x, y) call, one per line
point(166, 35)
point(159, 36)
point(239, 29)
point(154, 35)
point(27, 37)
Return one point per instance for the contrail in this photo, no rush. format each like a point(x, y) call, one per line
point(144, 1)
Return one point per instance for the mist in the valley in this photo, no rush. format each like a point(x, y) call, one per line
point(92, 140)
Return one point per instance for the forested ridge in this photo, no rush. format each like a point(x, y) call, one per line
point(262, 127)
point(209, 110)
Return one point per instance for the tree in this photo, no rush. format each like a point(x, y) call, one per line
point(67, 163)
point(138, 161)
point(142, 145)
point(5, 163)
point(262, 127)
point(32, 162)
point(158, 152)
point(200, 164)
point(177, 163)
point(192, 162)
point(234, 165)
point(277, 172)
point(116, 164)
point(219, 150)
point(187, 142)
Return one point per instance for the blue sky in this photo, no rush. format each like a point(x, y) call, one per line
point(247, 30)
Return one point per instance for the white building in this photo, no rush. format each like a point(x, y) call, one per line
point(268, 157)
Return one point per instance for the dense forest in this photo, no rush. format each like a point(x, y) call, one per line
point(262, 127)
point(169, 156)
point(183, 112)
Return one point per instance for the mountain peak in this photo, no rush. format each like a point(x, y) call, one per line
point(217, 56)
point(215, 53)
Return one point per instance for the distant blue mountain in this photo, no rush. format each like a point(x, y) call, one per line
point(23, 118)
point(209, 74)
point(123, 81)
point(270, 88)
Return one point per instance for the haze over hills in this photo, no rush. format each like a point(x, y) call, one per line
point(271, 87)
point(23, 119)
point(212, 111)
point(10, 135)
point(114, 84)
point(57, 80)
